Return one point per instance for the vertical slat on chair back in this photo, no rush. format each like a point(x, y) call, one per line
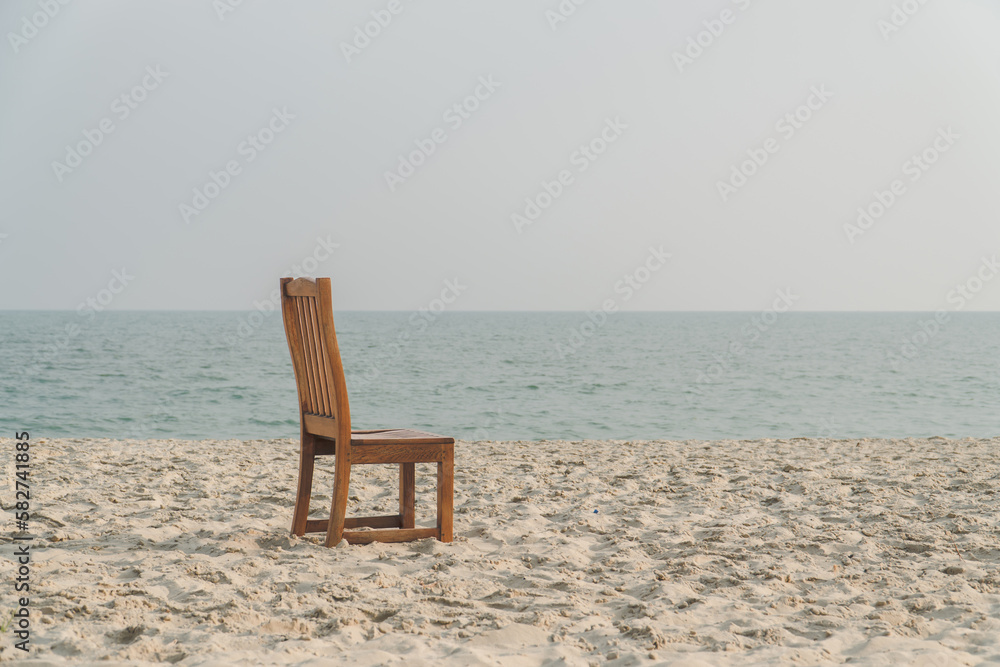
point(312, 341)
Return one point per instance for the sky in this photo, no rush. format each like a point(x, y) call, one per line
point(523, 155)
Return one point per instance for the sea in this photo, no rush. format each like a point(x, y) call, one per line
point(510, 375)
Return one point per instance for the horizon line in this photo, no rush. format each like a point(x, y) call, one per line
point(446, 312)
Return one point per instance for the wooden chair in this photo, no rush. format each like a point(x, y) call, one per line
point(325, 420)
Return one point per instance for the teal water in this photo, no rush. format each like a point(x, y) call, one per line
point(510, 375)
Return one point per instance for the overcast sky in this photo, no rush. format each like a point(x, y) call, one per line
point(313, 118)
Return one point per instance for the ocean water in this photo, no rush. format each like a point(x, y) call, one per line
point(523, 376)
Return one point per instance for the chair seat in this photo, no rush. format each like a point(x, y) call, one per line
point(401, 436)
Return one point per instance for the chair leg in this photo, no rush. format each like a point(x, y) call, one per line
point(446, 494)
point(407, 494)
point(338, 506)
point(307, 461)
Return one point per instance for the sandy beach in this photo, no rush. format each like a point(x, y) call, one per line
point(807, 552)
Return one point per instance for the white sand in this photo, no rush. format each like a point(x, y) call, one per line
point(701, 553)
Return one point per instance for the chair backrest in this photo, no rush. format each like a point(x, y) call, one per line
point(307, 308)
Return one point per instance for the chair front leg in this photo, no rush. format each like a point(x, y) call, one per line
point(446, 494)
point(338, 506)
point(307, 461)
point(407, 494)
